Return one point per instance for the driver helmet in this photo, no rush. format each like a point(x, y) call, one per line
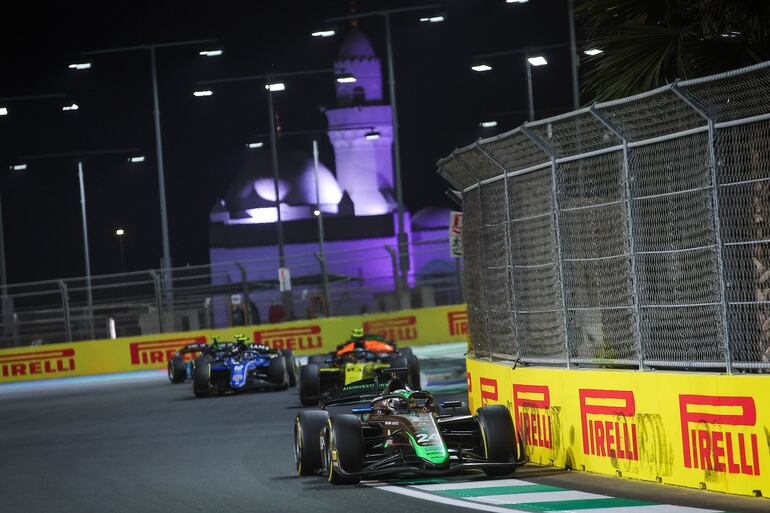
point(357, 334)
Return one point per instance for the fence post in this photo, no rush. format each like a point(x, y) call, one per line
point(630, 227)
point(158, 300)
point(396, 277)
point(694, 105)
point(65, 303)
point(548, 150)
point(324, 283)
point(508, 246)
point(245, 291)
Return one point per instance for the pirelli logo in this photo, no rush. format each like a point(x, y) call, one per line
point(395, 328)
point(159, 351)
point(719, 433)
point(488, 390)
point(608, 419)
point(458, 322)
point(532, 414)
point(300, 337)
point(54, 361)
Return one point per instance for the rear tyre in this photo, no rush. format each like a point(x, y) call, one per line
point(177, 372)
point(317, 359)
point(201, 382)
point(497, 435)
point(406, 352)
point(307, 441)
point(343, 438)
point(288, 355)
point(413, 364)
point(309, 384)
point(276, 372)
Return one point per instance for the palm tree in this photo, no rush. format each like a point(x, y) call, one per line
point(648, 43)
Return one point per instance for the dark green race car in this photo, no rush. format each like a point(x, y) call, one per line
point(401, 431)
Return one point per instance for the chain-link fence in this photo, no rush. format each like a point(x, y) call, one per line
point(360, 280)
point(632, 233)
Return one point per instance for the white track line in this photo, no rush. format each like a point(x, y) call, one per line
point(522, 498)
point(655, 508)
point(472, 484)
point(460, 503)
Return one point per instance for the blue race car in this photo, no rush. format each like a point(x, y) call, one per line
point(180, 366)
point(235, 367)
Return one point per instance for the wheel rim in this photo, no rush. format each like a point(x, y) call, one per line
point(170, 372)
point(298, 446)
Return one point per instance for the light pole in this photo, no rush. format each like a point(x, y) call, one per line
point(120, 233)
point(80, 156)
point(403, 242)
point(151, 48)
point(272, 84)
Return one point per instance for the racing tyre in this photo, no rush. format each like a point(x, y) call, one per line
point(276, 372)
point(177, 372)
point(201, 386)
point(343, 438)
point(307, 441)
point(309, 384)
point(413, 364)
point(288, 355)
point(498, 437)
point(406, 352)
point(317, 359)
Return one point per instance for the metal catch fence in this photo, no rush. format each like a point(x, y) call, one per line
point(201, 297)
point(632, 233)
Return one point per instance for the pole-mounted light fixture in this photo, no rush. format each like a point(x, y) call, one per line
point(18, 167)
point(346, 78)
point(538, 60)
point(372, 135)
point(213, 52)
point(70, 106)
point(255, 145)
point(80, 65)
point(327, 32)
point(593, 51)
point(203, 93)
point(481, 67)
point(276, 86)
point(488, 124)
point(137, 159)
point(3, 111)
point(120, 232)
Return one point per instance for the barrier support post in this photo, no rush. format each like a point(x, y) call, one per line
point(65, 303)
point(158, 300)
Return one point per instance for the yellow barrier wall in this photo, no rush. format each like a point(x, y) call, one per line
point(688, 429)
point(409, 327)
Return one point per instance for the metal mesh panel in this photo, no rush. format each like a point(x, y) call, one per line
point(497, 276)
point(574, 135)
point(597, 264)
point(736, 96)
point(743, 173)
point(674, 234)
point(473, 276)
point(461, 175)
point(539, 310)
point(686, 277)
point(475, 160)
point(515, 152)
point(652, 116)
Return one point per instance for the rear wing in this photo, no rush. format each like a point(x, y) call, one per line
point(366, 389)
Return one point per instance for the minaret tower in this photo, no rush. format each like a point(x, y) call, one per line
point(364, 165)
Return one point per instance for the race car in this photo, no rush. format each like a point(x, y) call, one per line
point(180, 366)
point(235, 367)
point(401, 431)
point(357, 359)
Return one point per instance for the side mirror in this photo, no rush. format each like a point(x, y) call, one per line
point(451, 404)
point(362, 409)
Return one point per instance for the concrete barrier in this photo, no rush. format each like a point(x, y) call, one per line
point(698, 430)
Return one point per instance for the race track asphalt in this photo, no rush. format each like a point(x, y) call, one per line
point(148, 446)
point(136, 444)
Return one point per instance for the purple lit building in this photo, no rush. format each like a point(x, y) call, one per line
point(357, 201)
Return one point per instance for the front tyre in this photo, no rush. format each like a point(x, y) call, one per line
point(309, 384)
point(288, 355)
point(498, 437)
point(177, 372)
point(307, 441)
point(343, 449)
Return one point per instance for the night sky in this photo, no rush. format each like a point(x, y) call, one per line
point(440, 101)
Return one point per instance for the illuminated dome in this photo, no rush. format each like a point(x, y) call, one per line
point(356, 46)
point(253, 186)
